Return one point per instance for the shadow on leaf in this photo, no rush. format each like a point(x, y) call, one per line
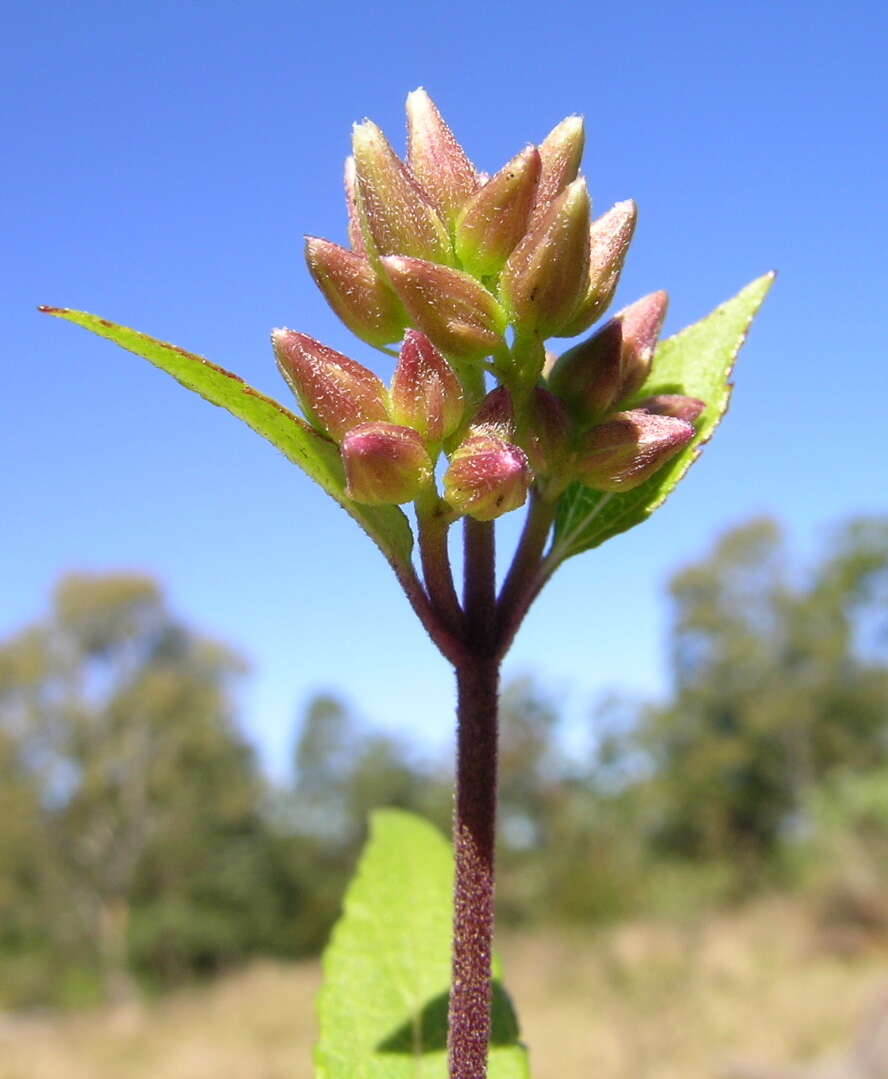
point(426, 1031)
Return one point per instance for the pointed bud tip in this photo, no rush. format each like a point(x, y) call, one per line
point(676, 405)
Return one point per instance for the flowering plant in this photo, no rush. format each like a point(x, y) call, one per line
point(470, 276)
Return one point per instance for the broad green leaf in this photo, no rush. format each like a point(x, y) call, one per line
point(383, 1008)
point(386, 525)
point(698, 362)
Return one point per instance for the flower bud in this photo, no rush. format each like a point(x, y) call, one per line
point(364, 302)
point(588, 376)
point(487, 477)
point(609, 239)
point(547, 439)
point(400, 219)
point(496, 415)
point(546, 275)
point(435, 157)
point(560, 155)
point(335, 392)
point(494, 220)
point(426, 394)
point(613, 363)
point(384, 464)
point(623, 452)
point(640, 325)
point(673, 404)
point(452, 308)
point(355, 231)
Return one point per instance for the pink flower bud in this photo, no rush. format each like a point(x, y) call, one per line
point(385, 464)
point(436, 159)
point(487, 477)
point(560, 154)
point(494, 220)
point(364, 302)
point(631, 446)
point(588, 376)
point(547, 439)
point(496, 415)
point(609, 239)
point(640, 324)
point(335, 392)
point(613, 363)
point(673, 404)
point(546, 275)
point(452, 308)
point(426, 394)
point(400, 219)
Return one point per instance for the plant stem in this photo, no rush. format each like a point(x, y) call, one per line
point(473, 841)
point(520, 585)
point(433, 525)
point(450, 646)
point(475, 813)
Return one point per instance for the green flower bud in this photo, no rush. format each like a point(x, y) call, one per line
point(385, 464)
point(335, 392)
point(426, 393)
point(673, 404)
point(494, 220)
point(355, 231)
point(560, 155)
point(397, 214)
point(436, 159)
point(631, 446)
point(487, 477)
point(449, 306)
point(546, 275)
point(609, 239)
point(364, 302)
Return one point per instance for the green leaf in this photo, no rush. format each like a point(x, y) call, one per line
point(383, 1008)
point(698, 362)
point(318, 456)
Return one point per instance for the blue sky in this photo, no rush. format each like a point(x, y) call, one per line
point(165, 159)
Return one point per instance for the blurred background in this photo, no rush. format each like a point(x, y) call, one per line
point(207, 675)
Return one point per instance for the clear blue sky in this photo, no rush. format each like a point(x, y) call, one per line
point(163, 162)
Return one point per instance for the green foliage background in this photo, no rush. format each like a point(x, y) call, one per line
point(141, 846)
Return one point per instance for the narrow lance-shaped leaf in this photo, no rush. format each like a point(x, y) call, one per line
point(383, 1008)
point(696, 362)
point(386, 525)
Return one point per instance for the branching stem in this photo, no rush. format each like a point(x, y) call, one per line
point(474, 638)
point(523, 582)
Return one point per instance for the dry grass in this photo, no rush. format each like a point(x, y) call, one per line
point(644, 1001)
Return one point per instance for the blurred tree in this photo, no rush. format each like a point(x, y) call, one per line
point(777, 681)
point(115, 720)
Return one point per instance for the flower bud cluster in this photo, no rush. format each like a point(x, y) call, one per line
point(388, 438)
point(472, 273)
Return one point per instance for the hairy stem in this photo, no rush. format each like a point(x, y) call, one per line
point(473, 841)
point(479, 585)
point(521, 583)
point(434, 525)
point(475, 814)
